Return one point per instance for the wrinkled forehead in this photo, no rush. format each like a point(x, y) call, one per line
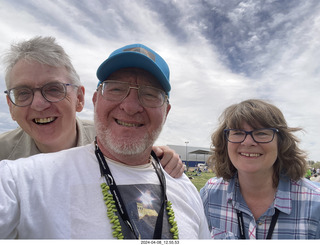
point(35, 74)
point(135, 75)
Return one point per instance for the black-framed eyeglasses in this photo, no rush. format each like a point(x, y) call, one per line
point(263, 135)
point(148, 96)
point(52, 92)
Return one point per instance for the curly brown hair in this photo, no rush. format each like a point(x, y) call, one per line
point(291, 160)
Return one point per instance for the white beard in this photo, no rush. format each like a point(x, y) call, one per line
point(134, 147)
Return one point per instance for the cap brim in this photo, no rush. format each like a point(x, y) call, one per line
point(132, 59)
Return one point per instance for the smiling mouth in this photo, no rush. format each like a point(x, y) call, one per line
point(42, 121)
point(129, 125)
point(250, 154)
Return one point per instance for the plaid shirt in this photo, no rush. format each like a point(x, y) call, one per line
point(298, 202)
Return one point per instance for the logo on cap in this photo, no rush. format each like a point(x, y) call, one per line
point(142, 51)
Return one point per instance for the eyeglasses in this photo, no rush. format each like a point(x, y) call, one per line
point(52, 92)
point(148, 96)
point(264, 135)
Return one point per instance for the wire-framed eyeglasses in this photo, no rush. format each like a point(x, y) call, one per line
point(52, 92)
point(263, 135)
point(148, 96)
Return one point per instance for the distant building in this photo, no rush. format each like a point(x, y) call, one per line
point(192, 156)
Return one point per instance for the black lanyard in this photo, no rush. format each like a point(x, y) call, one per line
point(158, 227)
point(271, 228)
point(105, 171)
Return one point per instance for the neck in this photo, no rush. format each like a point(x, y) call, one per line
point(255, 184)
point(258, 192)
point(131, 160)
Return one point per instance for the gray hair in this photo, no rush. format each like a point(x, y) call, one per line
point(43, 50)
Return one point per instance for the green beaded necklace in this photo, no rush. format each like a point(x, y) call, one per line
point(114, 219)
point(113, 205)
point(111, 211)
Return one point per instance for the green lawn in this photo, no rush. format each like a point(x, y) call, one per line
point(199, 181)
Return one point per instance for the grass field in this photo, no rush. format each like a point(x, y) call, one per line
point(201, 180)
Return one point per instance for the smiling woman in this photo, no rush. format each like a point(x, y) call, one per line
point(259, 188)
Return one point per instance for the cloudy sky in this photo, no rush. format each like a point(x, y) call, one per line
point(219, 53)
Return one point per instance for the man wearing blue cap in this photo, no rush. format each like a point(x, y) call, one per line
point(115, 187)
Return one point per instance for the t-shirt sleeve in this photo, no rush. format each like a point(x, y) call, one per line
point(9, 207)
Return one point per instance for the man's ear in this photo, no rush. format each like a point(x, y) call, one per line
point(80, 98)
point(94, 98)
point(168, 109)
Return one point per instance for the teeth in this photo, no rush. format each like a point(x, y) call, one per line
point(44, 120)
point(250, 154)
point(127, 124)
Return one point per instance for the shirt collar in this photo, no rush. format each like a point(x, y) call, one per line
point(283, 195)
point(234, 195)
point(282, 199)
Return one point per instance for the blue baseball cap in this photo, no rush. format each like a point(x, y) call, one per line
point(137, 56)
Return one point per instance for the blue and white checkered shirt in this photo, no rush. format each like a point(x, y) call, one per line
point(298, 202)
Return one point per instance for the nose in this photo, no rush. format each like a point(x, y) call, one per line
point(249, 140)
point(39, 103)
point(131, 103)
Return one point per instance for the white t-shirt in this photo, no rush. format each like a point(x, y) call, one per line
point(58, 196)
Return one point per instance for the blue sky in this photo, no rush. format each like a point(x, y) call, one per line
point(219, 53)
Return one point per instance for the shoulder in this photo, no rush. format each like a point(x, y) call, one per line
point(215, 187)
point(86, 131)
point(11, 135)
point(306, 185)
point(86, 123)
point(216, 183)
point(44, 168)
point(305, 190)
point(9, 140)
point(48, 161)
point(181, 182)
point(182, 187)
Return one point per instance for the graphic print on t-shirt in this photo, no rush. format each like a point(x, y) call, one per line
point(142, 202)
